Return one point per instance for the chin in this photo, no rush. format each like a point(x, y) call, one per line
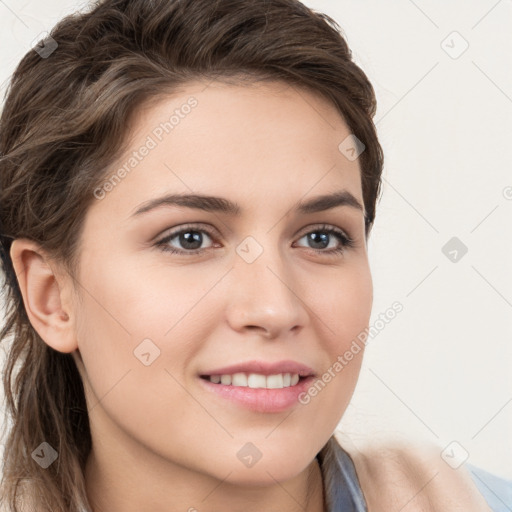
point(276, 466)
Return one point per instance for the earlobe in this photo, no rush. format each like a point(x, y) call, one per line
point(44, 295)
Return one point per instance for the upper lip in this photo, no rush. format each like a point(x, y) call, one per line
point(263, 368)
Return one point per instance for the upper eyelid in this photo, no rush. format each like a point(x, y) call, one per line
point(192, 227)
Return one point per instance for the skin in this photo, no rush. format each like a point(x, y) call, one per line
point(160, 441)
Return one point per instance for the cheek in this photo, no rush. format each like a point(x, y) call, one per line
point(342, 312)
point(345, 307)
point(136, 316)
point(137, 333)
point(138, 299)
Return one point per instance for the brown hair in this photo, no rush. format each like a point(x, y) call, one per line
point(65, 120)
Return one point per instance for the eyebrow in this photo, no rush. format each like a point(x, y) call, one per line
point(223, 205)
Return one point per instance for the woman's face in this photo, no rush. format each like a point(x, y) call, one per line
point(263, 284)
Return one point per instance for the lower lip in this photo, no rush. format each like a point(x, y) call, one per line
point(261, 399)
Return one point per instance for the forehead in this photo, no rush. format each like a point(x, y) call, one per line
point(267, 138)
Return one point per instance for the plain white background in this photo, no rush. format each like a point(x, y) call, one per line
point(441, 370)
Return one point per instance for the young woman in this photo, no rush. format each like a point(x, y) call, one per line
point(187, 192)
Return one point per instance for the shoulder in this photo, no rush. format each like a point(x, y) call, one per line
point(395, 473)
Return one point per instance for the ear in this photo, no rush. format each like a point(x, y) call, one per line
point(46, 295)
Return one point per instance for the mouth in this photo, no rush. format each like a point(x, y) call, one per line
point(256, 380)
point(273, 393)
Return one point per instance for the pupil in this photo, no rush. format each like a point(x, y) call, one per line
point(187, 238)
point(323, 237)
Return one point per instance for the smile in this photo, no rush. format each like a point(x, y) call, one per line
point(251, 394)
point(255, 380)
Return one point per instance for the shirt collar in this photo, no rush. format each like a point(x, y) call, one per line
point(342, 490)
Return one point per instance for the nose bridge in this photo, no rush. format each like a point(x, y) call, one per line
point(264, 292)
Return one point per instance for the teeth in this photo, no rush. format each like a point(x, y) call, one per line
point(225, 379)
point(275, 381)
point(239, 379)
point(256, 380)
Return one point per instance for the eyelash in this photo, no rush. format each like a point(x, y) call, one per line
point(345, 241)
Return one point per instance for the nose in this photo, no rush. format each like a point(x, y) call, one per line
point(266, 296)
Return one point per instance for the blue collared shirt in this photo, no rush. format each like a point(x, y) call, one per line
point(344, 494)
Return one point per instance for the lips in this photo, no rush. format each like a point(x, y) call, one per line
point(262, 368)
point(242, 384)
point(258, 400)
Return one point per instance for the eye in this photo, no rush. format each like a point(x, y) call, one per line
point(190, 237)
point(321, 237)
